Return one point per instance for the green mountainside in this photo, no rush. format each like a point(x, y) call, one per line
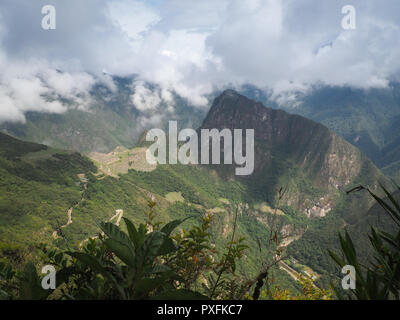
point(37, 184)
point(314, 165)
point(54, 196)
point(368, 119)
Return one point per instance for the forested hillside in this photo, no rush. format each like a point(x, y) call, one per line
point(298, 190)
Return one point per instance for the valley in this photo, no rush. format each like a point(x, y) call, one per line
point(365, 118)
point(54, 196)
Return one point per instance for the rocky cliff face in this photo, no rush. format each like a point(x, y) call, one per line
point(315, 164)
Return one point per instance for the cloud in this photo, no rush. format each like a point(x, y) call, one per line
point(144, 99)
point(273, 42)
point(133, 18)
point(190, 48)
point(154, 104)
point(34, 85)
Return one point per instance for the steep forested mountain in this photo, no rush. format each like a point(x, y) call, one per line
point(315, 164)
point(367, 119)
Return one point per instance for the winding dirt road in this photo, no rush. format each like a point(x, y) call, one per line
point(83, 180)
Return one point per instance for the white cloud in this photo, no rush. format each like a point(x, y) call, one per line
point(36, 86)
point(191, 48)
point(134, 18)
point(144, 99)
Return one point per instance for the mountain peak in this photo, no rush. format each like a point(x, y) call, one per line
point(228, 107)
point(230, 93)
point(283, 141)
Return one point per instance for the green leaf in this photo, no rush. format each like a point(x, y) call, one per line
point(336, 258)
point(392, 213)
point(169, 227)
point(114, 232)
point(88, 260)
point(92, 262)
point(149, 250)
point(134, 235)
point(160, 268)
point(167, 247)
point(392, 200)
point(30, 285)
point(389, 239)
point(121, 250)
point(64, 274)
point(4, 295)
point(146, 285)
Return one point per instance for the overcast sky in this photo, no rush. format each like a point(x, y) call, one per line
point(190, 47)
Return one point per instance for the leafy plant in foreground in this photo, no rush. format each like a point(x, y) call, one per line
point(129, 266)
point(380, 280)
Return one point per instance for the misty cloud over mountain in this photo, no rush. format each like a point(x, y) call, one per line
point(190, 48)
